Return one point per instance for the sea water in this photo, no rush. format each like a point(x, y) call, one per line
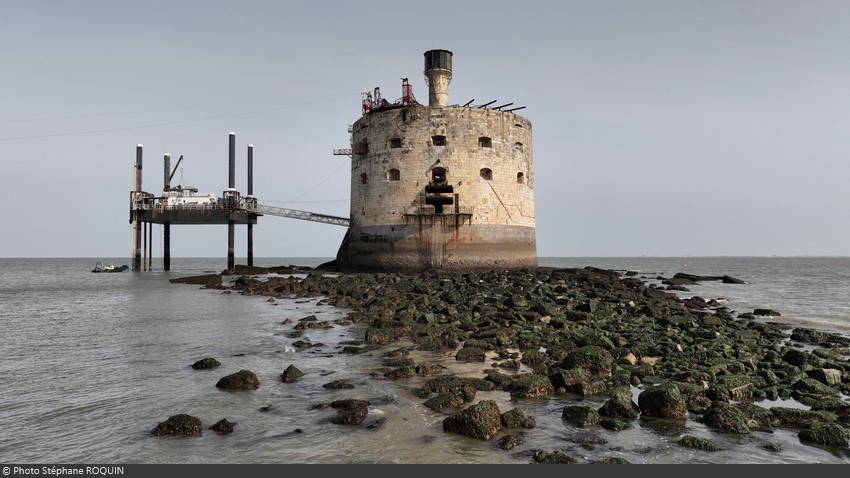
point(91, 363)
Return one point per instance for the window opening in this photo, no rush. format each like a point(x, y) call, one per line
point(438, 175)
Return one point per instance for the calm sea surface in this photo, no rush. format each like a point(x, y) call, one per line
point(92, 362)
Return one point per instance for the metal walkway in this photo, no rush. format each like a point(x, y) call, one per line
point(305, 215)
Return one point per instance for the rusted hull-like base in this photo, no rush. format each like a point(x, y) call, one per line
point(438, 247)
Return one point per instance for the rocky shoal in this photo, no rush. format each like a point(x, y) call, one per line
point(590, 332)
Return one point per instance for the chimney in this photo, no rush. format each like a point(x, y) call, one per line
point(438, 74)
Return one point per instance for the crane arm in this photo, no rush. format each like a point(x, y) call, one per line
point(175, 169)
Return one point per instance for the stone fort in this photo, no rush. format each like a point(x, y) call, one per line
point(439, 187)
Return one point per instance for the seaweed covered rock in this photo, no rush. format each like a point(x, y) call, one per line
point(516, 418)
point(338, 384)
point(580, 415)
point(799, 418)
point(593, 359)
point(614, 424)
point(181, 424)
point(206, 279)
point(568, 379)
point(810, 386)
point(450, 399)
point(827, 376)
point(530, 385)
point(727, 418)
point(511, 441)
point(612, 460)
point(620, 405)
point(809, 336)
point(350, 411)
point(832, 404)
point(698, 443)
point(553, 458)
point(205, 363)
point(826, 434)
point(291, 374)
point(758, 417)
point(801, 358)
point(241, 380)
point(451, 383)
point(223, 426)
point(481, 420)
point(662, 401)
point(470, 354)
point(401, 372)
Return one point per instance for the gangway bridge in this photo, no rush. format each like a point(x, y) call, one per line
point(296, 214)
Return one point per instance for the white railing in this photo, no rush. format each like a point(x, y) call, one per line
point(295, 214)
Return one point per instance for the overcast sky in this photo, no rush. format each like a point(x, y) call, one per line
point(660, 128)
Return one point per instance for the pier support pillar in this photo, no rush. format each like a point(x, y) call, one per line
point(150, 246)
point(231, 183)
point(250, 244)
point(231, 246)
point(166, 247)
point(136, 198)
point(144, 246)
point(250, 194)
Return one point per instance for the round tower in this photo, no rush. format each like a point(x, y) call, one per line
point(440, 186)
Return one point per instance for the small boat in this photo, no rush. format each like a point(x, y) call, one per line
point(99, 267)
